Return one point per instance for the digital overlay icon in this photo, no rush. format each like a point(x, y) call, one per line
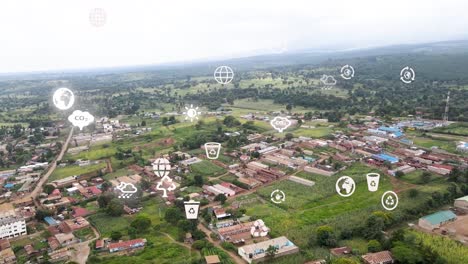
point(224, 74)
point(328, 81)
point(278, 196)
point(63, 98)
point(161, 167)
point(212, 150)
point(347, 72)
point(407, 75)
point(97, 17)
point(389, 200)
point(259, 229)
point(191, 209)
point(280, 123)
point(126, 190)
point(81, 119)
point(345, 186)
point(166, 185)
point(373, 181)
point(191, 113)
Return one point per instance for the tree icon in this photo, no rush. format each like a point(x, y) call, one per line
point(165, 185)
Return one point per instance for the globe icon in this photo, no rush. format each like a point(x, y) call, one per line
point(97, 17)
point(161, 167)
point(223, 74)
point(345, 186)
point(63, 98)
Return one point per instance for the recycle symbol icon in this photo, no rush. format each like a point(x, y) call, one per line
point(213, 152)
point(373, 183)
point(191, 211)
point(390, 201)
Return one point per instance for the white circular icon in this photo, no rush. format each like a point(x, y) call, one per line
point(97, 17)
point(223, 74)
point(345, 186)
point(278, 196)
point(191, 113)
point(407, 75)
point(63, 98)
point(161, 167)
point(389, 200)
point(347, 72)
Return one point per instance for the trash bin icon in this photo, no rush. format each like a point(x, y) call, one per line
point(212, 150)
point(373, 181)
point(191, 209)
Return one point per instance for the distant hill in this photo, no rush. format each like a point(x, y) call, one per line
point(262, 61)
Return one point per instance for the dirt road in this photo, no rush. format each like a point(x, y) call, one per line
point(52, 167)
point(80, 252)
point(234, 256)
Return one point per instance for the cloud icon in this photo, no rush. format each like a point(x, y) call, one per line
point(81, 119)
point(127, 189)
point(280, 123)
point(328, 80)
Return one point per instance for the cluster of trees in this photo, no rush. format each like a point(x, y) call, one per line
point(205, 133)
point(175, 216)
point(113, 206)
point(125, 154)
point(403, 245)
point(406, 249)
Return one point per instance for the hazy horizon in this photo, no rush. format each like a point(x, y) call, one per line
point(53, 35)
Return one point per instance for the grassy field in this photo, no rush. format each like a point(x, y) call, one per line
point(106, 224)
point(317, 132)
point(161, 249)
point(456, 129)
point(415, 177)
point(71, 170)
point(206, 168)
point(447, 145)
point(306, 208)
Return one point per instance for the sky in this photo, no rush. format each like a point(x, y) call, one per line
point(45, 35)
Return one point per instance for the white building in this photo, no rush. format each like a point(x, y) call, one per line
point(12, 226)
point(108, 128)
point(462, 147)
point(254, 253)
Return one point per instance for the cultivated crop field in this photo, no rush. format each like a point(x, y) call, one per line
point(306, 208)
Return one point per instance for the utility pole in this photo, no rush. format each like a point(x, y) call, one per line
point(447, 108)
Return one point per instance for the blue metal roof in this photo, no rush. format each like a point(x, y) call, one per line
point(385, 157)
point(389, 129)
point(50, 221)
point(440, 217)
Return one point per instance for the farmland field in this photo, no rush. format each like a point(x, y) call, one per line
point(72, 170)
point(207, 168)
point(161, 249)
point(306, 208)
